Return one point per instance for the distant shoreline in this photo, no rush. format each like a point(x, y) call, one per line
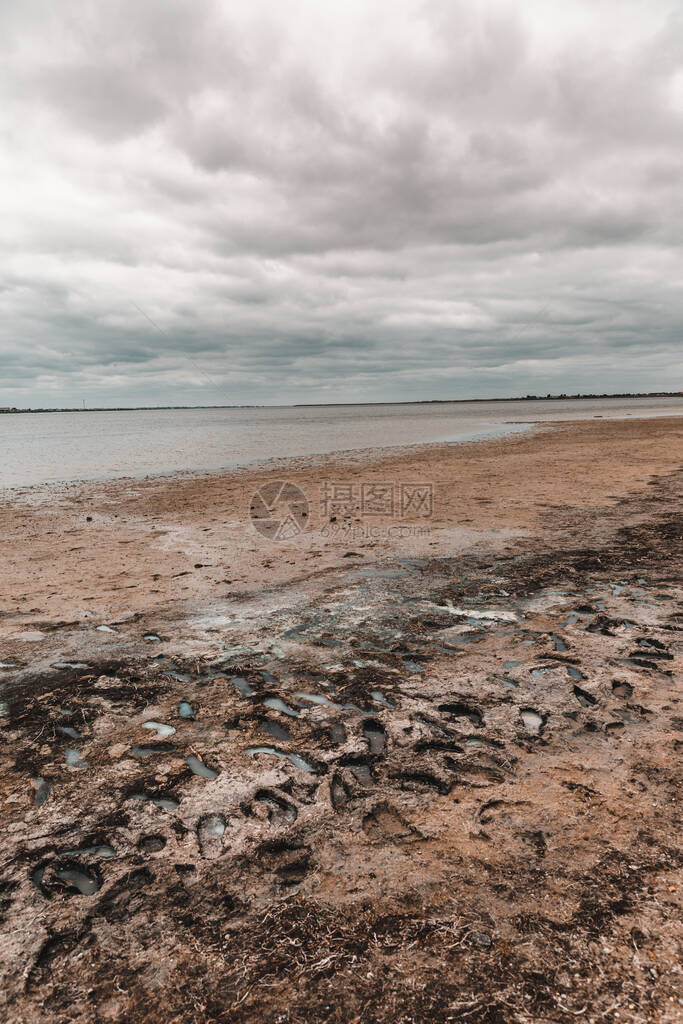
point(320, 405)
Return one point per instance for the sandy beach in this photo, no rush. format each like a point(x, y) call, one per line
point(416, 760)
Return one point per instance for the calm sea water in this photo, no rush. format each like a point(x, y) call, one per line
point(55, 447)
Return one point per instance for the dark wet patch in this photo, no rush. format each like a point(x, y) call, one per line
point(621, 688)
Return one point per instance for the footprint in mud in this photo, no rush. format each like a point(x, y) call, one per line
point(73, 759)
point(621, 688)
point(375, 734)
point(288, 861)
point(242, 686)
point(339, 794)
point(164, 801)
point(424, 782)
point(533, 721)
point(575, 673)
point(585, 699)
point(67, 878)
point(210, 833)
point(68, 730)
point(337, 733)
point(151, 843)
point(197, 767)
point(360, 768)
point(79, 880)
point(277, 704)
point(274, 729)
point(478, 773)
point(160, 728)
point(297, 760)
point(381, 699)
point(278, 809)
point(438, 747)
point(510, 683)
point(43, 788)
point(458, 709)
point(385, 823)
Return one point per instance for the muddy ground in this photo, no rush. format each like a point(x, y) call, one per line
point(415, 787)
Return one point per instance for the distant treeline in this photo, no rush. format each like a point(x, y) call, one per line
point(303, 405)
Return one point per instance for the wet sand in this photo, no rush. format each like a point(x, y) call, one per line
point(474, 816)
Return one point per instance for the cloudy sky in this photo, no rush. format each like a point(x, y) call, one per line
point(323, 202)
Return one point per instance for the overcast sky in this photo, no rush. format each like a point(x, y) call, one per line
point(340, 201)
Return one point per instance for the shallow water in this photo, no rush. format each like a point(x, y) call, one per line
point(46, 447)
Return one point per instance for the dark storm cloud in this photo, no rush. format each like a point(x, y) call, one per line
point(363, 201)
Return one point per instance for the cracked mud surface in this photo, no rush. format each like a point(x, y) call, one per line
point(437, 787)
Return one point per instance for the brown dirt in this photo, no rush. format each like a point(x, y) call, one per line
point(488, 833)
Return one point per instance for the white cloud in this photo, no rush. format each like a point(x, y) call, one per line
point(367, 199)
